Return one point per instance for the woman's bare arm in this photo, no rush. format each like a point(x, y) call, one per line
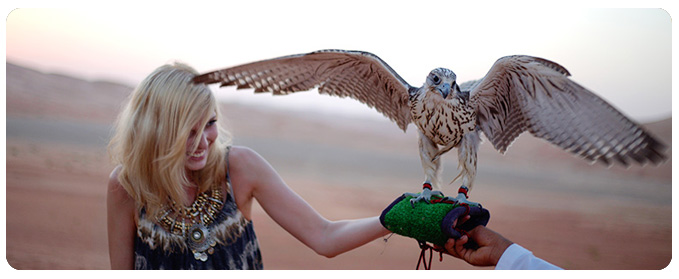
point(290, 211)
point(120, 209)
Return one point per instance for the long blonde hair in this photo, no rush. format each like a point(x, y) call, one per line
point(151, 135)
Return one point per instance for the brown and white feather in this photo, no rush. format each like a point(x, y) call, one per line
point(360, 75)
point(523, 93)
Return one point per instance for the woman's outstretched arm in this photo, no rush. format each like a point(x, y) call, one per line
point(253, 177)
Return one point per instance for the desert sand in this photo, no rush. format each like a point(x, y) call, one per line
point(568, 212)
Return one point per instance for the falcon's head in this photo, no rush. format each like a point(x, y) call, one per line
point(443, 81)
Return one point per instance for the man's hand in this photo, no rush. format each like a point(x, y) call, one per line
point(491, 247)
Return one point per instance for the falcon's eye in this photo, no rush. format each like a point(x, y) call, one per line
point(436, 80)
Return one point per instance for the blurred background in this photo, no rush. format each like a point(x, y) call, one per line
point(69, 71)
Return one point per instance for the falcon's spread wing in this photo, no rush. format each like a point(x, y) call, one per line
point(523, 93)
point(356, 74)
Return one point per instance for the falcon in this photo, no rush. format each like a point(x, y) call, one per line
point(519, 93)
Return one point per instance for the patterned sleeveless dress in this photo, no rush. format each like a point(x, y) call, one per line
point(228, 240)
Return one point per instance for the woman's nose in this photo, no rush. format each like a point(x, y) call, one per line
point(203, 141)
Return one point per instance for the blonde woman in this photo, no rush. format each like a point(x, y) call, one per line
point(181, 197)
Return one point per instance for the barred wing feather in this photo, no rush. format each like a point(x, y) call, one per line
point(360, 75)
point(523, 93)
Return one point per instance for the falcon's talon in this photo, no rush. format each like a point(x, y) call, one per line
point(462, 199)
point(425, 196)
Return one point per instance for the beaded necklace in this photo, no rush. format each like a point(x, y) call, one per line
point(192, 222)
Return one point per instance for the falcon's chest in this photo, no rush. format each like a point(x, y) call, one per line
point(443, 121)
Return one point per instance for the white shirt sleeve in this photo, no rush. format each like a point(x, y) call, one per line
point(517, 257)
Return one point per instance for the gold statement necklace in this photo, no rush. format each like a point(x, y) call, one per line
point(192, 222)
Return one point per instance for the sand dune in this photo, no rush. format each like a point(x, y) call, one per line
point(573, 214)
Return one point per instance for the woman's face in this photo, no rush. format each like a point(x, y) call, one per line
point(196, 160)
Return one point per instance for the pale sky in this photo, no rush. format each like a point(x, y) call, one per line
point(623, 55)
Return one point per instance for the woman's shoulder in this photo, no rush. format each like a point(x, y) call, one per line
point(121, 207)
point(243, 156)
point(115, 188)
point(113, 181)
point(246, 164)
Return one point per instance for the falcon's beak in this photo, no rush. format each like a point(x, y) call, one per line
point(444, 89)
